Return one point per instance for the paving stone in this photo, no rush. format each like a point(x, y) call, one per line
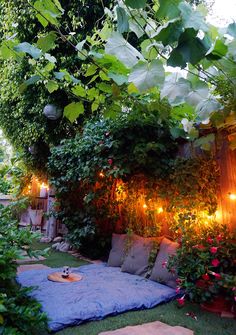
point(58, 239)
point(152, 328)
point(45, 239)
point(30, 259)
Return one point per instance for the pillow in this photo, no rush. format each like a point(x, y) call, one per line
point(159, 271)
point(117, 253)
point(137, 259)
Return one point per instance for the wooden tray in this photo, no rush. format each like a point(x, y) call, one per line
point(57, 277)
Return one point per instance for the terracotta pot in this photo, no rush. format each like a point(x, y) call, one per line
point(218, 305)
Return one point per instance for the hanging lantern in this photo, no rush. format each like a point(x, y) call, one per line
point(33, 149)
point(52, 112)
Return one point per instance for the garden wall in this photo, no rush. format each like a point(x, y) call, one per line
point(227, 202)
point(226, 159)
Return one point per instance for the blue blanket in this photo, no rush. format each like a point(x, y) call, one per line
point(102, 291)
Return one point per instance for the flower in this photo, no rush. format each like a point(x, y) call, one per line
point(206, 276)
point(199, 247)
point(215, 262)
point(213, 250)
point(177, 290)
point(219, 238)
point(163, 264)
point(110, 161)
point(201, 283)
point(210, 240)
point(181, 301)
point(216, 275)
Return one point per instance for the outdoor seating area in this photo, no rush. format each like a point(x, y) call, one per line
point(117, 167)
point(105, 289)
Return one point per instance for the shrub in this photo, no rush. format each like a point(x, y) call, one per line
point(19, 315)
point(205, 260)
point(85, 171)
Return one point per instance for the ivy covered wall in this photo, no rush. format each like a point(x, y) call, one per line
point(123, 175)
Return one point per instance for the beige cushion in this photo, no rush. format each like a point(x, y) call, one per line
point(137, 259)
point(117, 253)
point(159, 271)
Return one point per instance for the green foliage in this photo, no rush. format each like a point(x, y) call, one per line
point(205, 259)
point(117, 174)
point(25, 93)
point(84, 171)
point(155, 34)
point(18, 313)
point(195, 183)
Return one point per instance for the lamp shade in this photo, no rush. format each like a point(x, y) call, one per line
point(52, 112)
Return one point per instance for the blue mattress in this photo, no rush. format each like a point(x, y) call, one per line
point(102, 291)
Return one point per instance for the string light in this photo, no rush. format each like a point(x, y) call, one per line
point(144, 206)
point(160, 210)
point(232, 196)
point(101, 174)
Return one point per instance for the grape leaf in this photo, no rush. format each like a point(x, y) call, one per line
point(52, 86)
point(175, 90)
point(147, 75)
point(136, 3)
point(192, 18)
point(122, 20)
point(73, 111)
point(47, 42)
point(123, 50)
point(29, 49)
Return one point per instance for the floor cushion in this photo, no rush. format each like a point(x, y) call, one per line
point(117, 253)
point(103, 291)
point(137, 259)
point(159, 272)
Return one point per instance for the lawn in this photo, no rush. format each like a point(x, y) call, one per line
point(206, 323)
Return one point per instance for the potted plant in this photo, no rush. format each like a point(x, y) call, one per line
point(206, 266)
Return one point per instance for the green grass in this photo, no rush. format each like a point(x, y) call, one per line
point(206, 324)
point(56, 259)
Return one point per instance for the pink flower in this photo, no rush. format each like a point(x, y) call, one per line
point(164, 264)
point(181, 301)
point(177, 290)
point(213, 250)
point(216, 275)
point(199, 247)
point(178, 281)
point(219, 238)
point(210, 240)
point(206, 276)
point(215, 262)
point(110, 161)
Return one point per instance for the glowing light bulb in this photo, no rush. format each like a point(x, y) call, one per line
point(232, 196)
point(144, 206)
point(101, 174)
point(159, 210)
